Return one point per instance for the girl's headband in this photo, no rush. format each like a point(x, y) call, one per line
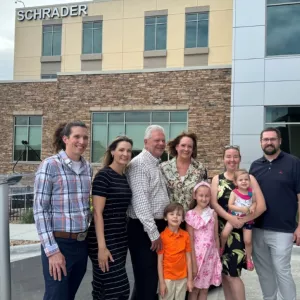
point(202, 183)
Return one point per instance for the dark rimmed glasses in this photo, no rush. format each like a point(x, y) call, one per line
point(272, 140)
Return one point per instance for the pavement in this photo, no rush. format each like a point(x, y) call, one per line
point(28, 284)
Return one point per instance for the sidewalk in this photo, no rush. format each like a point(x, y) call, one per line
point(253, 291)
point(27, 274)
point(23, 232)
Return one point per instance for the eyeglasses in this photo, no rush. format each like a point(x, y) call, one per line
point(232, 147)
point(266, 140)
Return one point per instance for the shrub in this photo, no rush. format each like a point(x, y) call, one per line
point(27, 217)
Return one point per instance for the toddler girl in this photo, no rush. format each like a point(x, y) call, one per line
point(202, 225)
point(241, 203)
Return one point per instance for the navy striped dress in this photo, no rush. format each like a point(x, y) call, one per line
point(114, 284)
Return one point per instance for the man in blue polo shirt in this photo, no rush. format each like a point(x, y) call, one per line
point(278, 174)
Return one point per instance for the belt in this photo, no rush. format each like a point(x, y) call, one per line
point(80, 236)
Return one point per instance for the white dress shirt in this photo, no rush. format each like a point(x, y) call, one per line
point(149, 192)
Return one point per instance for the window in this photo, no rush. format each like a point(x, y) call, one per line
point(28, 129)
point(287, 120)
point(51, 40)
point(196, 30)
point(107, 126)
point(156, 33)
point(48, 76)
point(92, 37)
point(283, 30)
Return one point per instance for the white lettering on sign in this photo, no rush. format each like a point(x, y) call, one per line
point(50, 13)
point(37, 14)
point(64, 11)
point(74, 11)
point(20, 15)
point(55, 13)
point(46, 13)
point(28, 15)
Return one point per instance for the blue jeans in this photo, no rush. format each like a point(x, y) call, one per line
point(76, 255)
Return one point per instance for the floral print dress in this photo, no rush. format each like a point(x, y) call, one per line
point(206, 252)
point(233, 258)
point(180, 191)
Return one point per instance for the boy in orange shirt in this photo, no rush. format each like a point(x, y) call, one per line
point(174, 260)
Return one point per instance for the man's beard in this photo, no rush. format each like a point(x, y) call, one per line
point(270, 150)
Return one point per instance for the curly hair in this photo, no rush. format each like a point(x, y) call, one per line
point(173, 143)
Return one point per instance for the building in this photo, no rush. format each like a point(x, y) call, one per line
point(125, 64)
point(265, 74)
point(119, 65)
point(121, 35)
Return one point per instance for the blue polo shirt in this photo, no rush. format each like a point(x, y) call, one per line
point(279, 181)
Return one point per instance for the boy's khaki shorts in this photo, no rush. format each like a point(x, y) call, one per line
point(176, 289)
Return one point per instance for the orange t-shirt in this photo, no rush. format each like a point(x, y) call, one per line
point(175, 246)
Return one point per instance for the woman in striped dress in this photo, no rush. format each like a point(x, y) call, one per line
point(107, 235)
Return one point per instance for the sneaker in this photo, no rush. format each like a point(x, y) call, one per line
point(250, 265)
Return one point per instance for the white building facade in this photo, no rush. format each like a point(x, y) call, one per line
point(265, 74)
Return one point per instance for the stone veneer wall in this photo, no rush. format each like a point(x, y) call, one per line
point(205, 93)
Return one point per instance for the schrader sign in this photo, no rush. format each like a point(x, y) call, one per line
point(53, 12)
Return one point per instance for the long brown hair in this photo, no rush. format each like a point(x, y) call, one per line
point(173, 143)
point(64, 129)
point(108, 158)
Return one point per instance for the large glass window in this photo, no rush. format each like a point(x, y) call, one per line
point(287, 120)
point(196, 30)
point(283, 30)
point(107, 126)
point(51, 40)
point(27, 138)
point(156, 33)
point(92, 37)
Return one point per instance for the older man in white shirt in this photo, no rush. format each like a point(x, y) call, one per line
point(149, 198)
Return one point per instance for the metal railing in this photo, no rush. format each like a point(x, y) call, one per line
point(20, 199)
point(19, 205)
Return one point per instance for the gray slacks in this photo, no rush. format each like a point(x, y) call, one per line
point(272, 259)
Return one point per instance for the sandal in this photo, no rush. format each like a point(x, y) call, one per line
point(250, 265)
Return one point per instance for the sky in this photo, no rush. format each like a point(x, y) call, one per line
point(7, 31)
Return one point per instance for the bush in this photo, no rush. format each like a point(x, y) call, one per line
point(27, 217)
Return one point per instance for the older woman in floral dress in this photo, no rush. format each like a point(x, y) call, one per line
point(183, 171)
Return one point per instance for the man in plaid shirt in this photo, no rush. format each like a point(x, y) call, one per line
point(62, 212)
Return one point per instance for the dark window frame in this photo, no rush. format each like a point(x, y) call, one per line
point(48, 76)
point(284, 123)
point(28, 126)
point(53, 30)
point(93, 30)
point(269, 5)
point(197, 24)
point(105, 121)
point(155, 32)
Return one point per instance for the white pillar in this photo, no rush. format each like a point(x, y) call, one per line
point(5, 274)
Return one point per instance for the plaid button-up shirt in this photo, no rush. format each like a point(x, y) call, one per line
point(61, 199)
point(149, 192)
